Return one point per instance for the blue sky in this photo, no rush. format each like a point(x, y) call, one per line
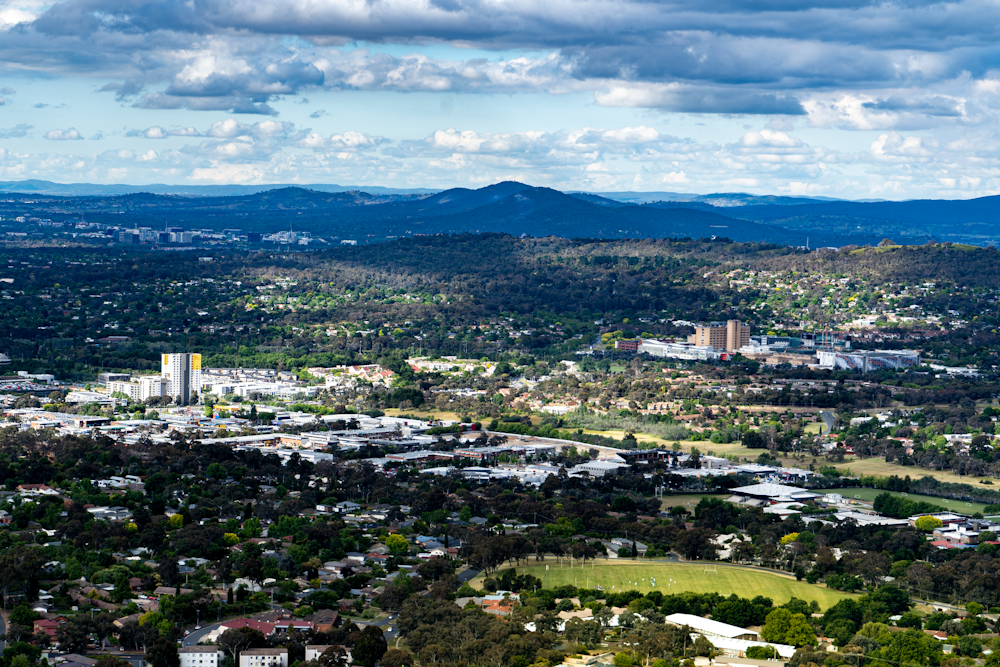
point(841, 98)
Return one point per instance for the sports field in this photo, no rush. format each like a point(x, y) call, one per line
point(615, 575)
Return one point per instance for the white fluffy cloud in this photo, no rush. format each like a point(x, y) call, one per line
point(63, 135)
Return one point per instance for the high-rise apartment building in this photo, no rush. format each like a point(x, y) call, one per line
point(182, 373)
point(729, 336)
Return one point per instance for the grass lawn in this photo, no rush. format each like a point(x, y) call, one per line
point(878, 467)
point(703, 446)
point(870, 494)
point(672, 578)
point(688, 500)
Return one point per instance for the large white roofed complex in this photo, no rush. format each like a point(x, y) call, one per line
point(711, 628)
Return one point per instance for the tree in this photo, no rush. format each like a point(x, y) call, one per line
point(396, 657)
point(163, 654)
point(800, 632)
point(112, 661)
point(623, 659)
point(762, 653)
point(784, 627)
point(235, 640)
point(370, 647)
point(928, 523)
point(137, 636)
point(253, 570)
point(970, 646)
point(23, 615)
point(103, 626)
point(334, 656)
point(397, 544)
point(72, 636)
point(588, 633)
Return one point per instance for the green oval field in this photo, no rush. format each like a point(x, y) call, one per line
point(672, 578)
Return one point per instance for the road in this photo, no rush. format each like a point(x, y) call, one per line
point(198, 635)
point(389, 625)
point(3, 631)
point(828, 420)
point(467, 575)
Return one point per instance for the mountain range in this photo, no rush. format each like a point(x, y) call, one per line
point(374, 214)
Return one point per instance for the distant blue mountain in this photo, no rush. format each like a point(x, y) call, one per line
point(510, 207)
point(91, 189)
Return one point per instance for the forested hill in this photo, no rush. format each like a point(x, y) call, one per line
point(970, 221)
point(447, 259)
point(512, 208)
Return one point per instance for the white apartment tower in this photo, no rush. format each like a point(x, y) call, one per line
point(182, 373)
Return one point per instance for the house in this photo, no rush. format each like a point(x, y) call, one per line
point(36, 490)
point(48, 625)
point(293, 625)
point(347, 506)
point(324, 620)
point(264, 657)
point(267, 629)
point(200, 656)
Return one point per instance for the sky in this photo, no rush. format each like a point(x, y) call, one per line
point(838, 98)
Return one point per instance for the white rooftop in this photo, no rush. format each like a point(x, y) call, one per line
point(771, 490)
point(708, 626)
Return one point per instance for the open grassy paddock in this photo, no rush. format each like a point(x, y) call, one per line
point(688, 500)
point(878, 467)
point(869, 495)
point(671, 578)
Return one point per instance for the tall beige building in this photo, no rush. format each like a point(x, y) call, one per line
point(730, 336)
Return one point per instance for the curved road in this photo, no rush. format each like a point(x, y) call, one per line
point(828, 421)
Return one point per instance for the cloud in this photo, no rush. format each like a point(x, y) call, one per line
point(155, 132)
point(319, 113)
point(64, 135)
point(17, 132)
point(123, 91)
point(7, 91)
point(692, 99)
point(267, 129)
point(348, 141)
